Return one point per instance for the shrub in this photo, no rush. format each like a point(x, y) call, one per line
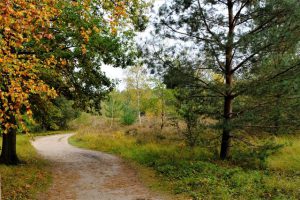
point(128, 116)
point(255, 157)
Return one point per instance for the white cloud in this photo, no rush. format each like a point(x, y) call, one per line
point(115, 73)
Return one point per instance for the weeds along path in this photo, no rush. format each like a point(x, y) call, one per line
point(87, 175)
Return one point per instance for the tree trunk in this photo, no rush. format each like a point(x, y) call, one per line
point(228, 99)
point(9, 148)
point(225, 145)
point(162, 111)
point(139, 109)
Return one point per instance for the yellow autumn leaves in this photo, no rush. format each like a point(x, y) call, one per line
point(22, 22)
point(24, 25)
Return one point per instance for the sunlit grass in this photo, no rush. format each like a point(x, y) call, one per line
point(288, 158)
point(25, 180)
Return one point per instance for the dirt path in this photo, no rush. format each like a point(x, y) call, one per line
point(87, 175)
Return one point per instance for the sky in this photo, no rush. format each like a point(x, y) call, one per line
point(115, 73)
point(118, 73)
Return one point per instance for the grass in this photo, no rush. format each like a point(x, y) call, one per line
point(289, 157)
point(25, 180)
point(195, 173)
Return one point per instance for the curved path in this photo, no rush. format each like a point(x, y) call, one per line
point(88, 175)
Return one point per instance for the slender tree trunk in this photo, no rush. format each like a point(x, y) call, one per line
point(228, 99)
point(9, 147)
point(139, 105)
point(225, 145)
point(162, 111)
point(162, 125)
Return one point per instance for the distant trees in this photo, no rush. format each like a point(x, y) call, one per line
point(144, 95)
point(163, 101)
point(137, 80)
point(252, 45)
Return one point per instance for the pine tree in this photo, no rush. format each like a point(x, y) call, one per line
point(237, 40)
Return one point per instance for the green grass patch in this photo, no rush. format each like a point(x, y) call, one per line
point(289, 157)
point(25, 180)
point(194, 172)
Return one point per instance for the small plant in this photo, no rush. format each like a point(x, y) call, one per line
point(255, 156)
point(188, 111)
point(112, 109)
point(128, 116)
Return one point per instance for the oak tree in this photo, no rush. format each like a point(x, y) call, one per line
point(21, 23)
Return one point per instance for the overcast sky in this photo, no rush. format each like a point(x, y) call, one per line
point(115, 73)
point(120, 74)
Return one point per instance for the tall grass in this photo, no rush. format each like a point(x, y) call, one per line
point(287, 158)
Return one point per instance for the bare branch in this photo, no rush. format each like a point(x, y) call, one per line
point(186, 34)
point(241, 64)
point(284, 71)
point(207, 26)
point(217, 58)
point(236, 17)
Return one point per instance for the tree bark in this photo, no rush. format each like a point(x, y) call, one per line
point(9, 148)
point(226, 137)
point(228, 99)
point(139, 105)
point(162, 125)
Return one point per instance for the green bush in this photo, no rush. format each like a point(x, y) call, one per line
point(128, 116)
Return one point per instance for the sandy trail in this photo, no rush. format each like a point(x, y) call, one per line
point(87, 175)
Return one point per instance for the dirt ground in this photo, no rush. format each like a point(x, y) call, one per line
point(88, 175)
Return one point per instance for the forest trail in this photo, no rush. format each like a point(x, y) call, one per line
point(88, 175)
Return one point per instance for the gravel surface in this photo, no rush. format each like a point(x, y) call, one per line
point(87, 175)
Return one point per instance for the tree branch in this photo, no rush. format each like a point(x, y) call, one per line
point(241, 64)
point(207, 26)
point(186, 34)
